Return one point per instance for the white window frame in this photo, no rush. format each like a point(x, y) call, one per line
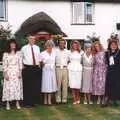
point(4, 17)
point(79, 14)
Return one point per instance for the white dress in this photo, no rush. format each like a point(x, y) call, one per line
point(12, 88)
point(87, 62)
point(49, 83)
point(75, 69)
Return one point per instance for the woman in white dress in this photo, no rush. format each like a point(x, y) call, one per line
point(49, 83)
point(75, 70)
point(12, 68)
point(87, 62)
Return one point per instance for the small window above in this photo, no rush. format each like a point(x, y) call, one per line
point(83, 13)
point(3, 10)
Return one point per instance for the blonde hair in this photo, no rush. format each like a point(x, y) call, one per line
point(78, 45)
point(101, 47)
point(49, 43)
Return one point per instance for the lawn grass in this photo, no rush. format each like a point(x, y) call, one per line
point(61, 112)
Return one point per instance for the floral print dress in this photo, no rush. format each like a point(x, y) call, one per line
point(12, 88)
point(99, 75)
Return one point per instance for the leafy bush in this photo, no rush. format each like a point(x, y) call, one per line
point(5, 34)
point(1, 82)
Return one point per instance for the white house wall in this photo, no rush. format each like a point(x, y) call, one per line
point(106, 17)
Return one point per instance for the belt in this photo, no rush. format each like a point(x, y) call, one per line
point(117, 62)
point(31, 65)
point(61, 67)
point(88, 68)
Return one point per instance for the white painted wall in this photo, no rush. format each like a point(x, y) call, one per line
point(106, 17)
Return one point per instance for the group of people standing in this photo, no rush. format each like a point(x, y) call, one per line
point(29, 72)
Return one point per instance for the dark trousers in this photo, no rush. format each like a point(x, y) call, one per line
point(31, 85)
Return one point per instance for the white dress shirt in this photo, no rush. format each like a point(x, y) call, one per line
point(27, 54)
point(62, 57)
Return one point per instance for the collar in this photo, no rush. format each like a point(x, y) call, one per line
point(88, 58)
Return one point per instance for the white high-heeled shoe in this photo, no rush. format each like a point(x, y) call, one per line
point(74, 103)
point(85, 103)
point(78, 102)
point(7, 106)
point(18, 105)
point(98, 102)
point(90, 102)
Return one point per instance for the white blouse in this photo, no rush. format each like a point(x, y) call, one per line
point(75, 61)
point(48, 59)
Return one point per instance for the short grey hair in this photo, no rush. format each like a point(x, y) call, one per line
point(49, 43)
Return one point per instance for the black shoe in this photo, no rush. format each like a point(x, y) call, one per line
point(103, 105)
point(115, 103)
point(58, 103)
point(29, 106)
point(64, 102)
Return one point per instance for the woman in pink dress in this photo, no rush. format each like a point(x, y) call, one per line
point(12, 67)
point(99, 72)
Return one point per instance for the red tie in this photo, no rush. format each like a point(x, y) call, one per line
point(33, 56)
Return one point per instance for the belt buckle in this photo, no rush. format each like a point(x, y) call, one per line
point(61, 66)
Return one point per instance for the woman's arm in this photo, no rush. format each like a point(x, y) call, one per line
point(20, 64)
point(5, 66)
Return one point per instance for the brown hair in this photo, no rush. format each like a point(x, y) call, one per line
point(75, 42)
point(7, 46)
point(112, 41)
point(61, 40)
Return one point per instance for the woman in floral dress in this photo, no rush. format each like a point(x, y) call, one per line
point(99, 72)
point(12, 67)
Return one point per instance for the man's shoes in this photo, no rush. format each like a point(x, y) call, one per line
point(58, 102)
point(103, 105)
point(64, 101)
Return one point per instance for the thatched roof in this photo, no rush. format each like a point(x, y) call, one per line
point(101, 1)
point(96, 1)
point(39, 22)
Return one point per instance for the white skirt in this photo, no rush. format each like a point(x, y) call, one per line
point(49, 83)
point(75, 78)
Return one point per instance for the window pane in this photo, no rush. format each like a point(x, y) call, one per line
point(88, 12)
point(78, 12)
point(1, 9)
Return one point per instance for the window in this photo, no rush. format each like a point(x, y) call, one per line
point(82, 13)
point(3, 16)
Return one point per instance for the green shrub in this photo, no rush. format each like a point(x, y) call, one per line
point(1, 81)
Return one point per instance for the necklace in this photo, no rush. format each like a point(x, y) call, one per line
point(114, 54)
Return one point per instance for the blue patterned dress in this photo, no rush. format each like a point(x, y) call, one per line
point(99, 74)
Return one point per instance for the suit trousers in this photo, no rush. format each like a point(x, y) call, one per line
point(62, 81)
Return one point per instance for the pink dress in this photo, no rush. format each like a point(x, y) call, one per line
point(99, 75)
point(12, 88)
